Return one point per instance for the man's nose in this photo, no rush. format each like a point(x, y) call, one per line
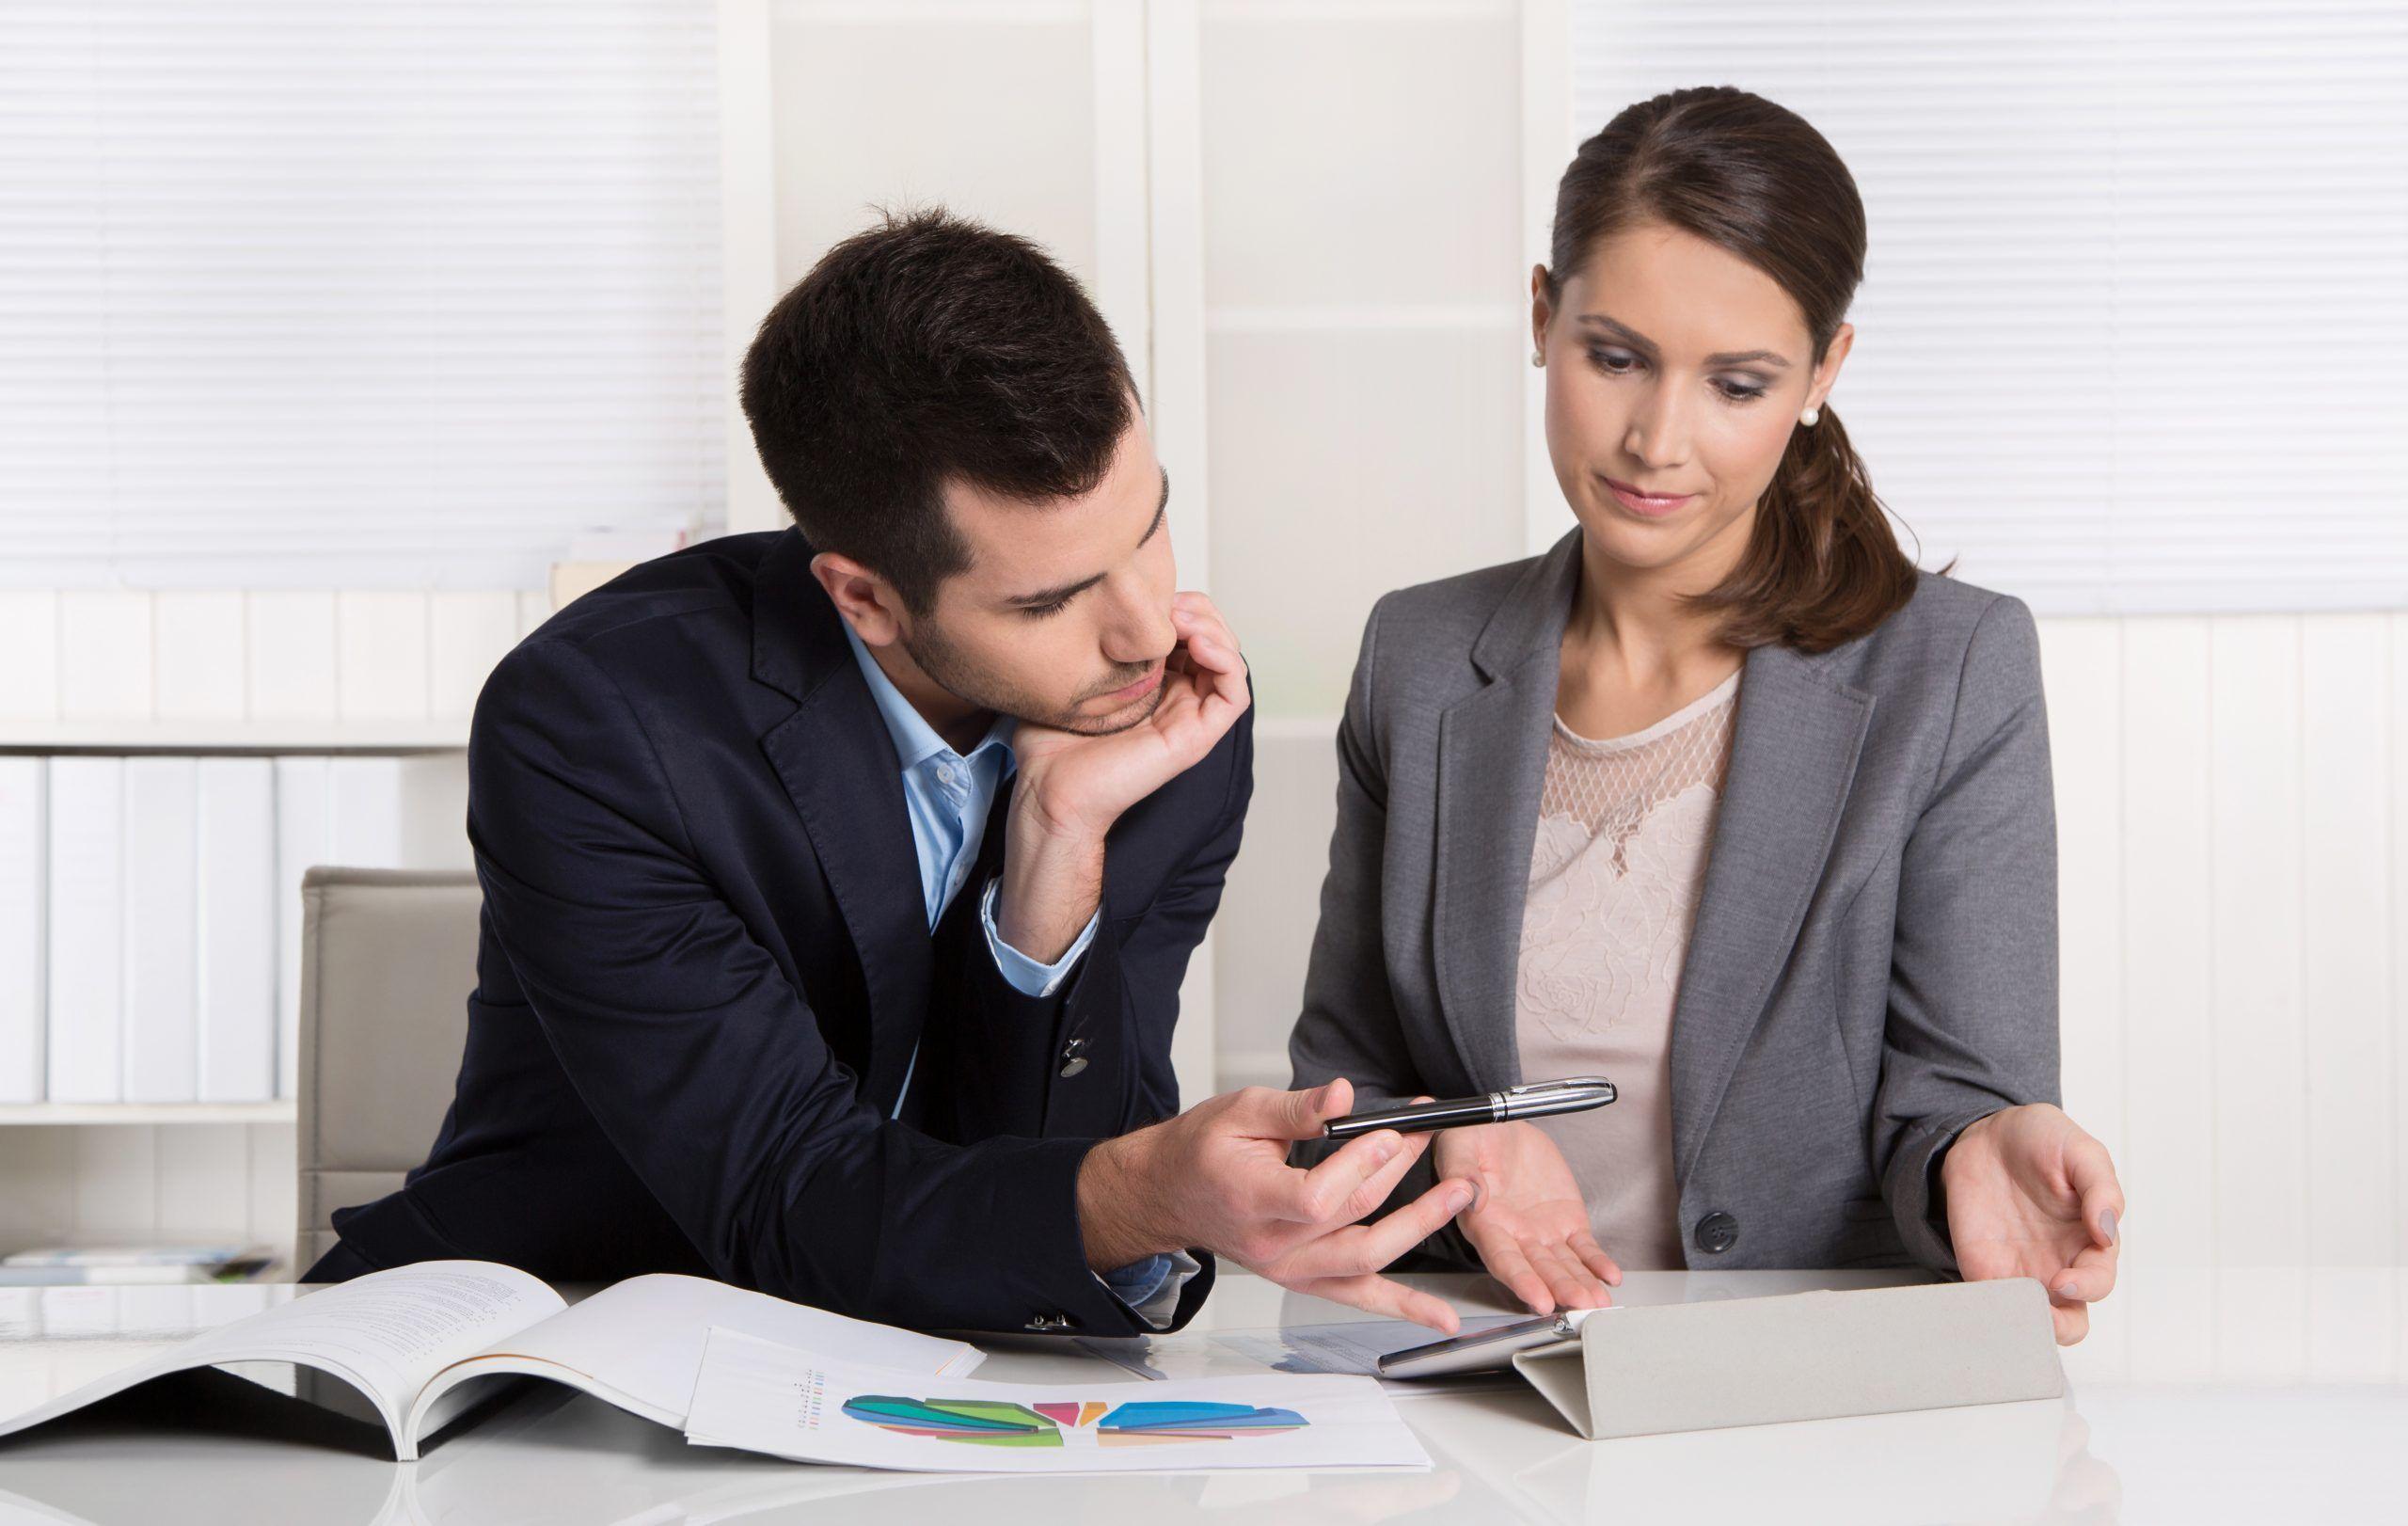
point(1140, 630)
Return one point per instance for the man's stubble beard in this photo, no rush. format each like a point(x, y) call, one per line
point(967, 681)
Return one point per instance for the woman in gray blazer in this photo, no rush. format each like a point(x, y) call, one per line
point(1721, 797)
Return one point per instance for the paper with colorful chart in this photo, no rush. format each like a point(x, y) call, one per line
point(788, 1403)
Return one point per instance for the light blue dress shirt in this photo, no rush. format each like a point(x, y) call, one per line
point(947, 797)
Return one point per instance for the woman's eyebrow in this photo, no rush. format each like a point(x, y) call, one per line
point(1641, 342)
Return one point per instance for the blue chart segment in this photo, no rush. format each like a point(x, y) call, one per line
point(1149, 1421)
point(1142, 1423)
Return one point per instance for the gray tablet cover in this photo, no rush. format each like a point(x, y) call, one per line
point(1643, 1369)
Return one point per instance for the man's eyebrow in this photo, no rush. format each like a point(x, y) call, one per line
point(1055, 596)
point(1641, 342)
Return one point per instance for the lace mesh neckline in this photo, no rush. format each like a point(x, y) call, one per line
point(1674, 722)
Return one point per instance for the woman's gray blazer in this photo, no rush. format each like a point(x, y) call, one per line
point(1874, 964)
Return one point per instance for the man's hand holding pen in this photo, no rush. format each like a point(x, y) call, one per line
point(1216, 1177)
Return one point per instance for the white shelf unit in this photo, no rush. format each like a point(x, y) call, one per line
point(123, 1172)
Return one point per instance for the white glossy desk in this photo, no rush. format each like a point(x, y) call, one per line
point(212, 1447)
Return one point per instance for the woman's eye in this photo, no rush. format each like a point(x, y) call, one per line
point(1618, 363)
point(1039, 612)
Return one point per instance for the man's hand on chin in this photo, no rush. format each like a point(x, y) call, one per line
point(1073, 787)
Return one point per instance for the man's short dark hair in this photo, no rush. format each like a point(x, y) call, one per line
point(927, 349)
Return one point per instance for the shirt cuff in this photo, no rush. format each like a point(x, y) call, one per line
point(1151, 1287)
point(1026, 976)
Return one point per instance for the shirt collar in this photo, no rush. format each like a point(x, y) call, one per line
point(915, 740)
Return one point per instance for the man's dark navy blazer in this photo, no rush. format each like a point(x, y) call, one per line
point(704, 960)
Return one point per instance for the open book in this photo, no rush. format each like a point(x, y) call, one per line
point(425, 1342)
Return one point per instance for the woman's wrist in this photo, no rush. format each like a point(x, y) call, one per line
point(1943, 1163)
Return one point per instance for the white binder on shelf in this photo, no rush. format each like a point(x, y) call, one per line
point(238, 938)
point(162, 928)
point(24, 892)
point(84, 1035)
point(303, 838)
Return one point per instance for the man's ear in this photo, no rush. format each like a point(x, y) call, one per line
point(866, 601)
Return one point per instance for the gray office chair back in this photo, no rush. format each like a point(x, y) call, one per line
point(388, 959)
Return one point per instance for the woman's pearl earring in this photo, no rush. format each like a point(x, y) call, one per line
point(1538, 357)
point(1810, 416)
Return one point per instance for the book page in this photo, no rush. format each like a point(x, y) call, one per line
point(638, 1344)
point(390, 1331)
point(387, 1333)
point(764, 1397)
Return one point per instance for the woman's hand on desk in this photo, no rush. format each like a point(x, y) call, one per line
point(1530, 1224)
point(2030, 1194)
point(1216, 1177)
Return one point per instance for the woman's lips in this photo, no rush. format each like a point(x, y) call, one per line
point(1638, 503)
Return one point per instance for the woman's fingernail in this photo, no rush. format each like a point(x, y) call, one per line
point(2067, 1290)
point(1459, 1200)
point(2107, 1222)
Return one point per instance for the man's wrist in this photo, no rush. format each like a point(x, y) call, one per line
point(1052, 887)
point(1113, 1201)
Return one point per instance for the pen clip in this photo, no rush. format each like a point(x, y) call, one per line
point(1569, 1083)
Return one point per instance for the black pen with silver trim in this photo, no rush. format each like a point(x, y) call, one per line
point(1537, 1099)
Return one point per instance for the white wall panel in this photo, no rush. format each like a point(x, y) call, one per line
point(201, 651)
point(2082, 678)
point(29, 634)
point(467, 634)
point(997, 124)
point(218, 658)
point(2167, 1160)
point(2345, 920)
point(2396, 706)
point(381, 656)
point(2257, 1027)
point(291, 658)
point(104, 655)
point(1370, 160)
point(1408, 470)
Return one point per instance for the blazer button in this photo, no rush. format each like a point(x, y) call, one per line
point(1050, 1324)
point(1717, 1231)
point(1072, 1061)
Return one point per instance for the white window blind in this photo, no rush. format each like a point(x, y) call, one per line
point(2137, 299)
point(387, 293)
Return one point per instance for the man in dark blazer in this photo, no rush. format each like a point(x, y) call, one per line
point(839, 881)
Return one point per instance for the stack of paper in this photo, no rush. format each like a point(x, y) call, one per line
point(56, 1264)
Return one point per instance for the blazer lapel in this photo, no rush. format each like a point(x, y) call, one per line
point(839, 767)
point(1794, 747)
point(1492, 765)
